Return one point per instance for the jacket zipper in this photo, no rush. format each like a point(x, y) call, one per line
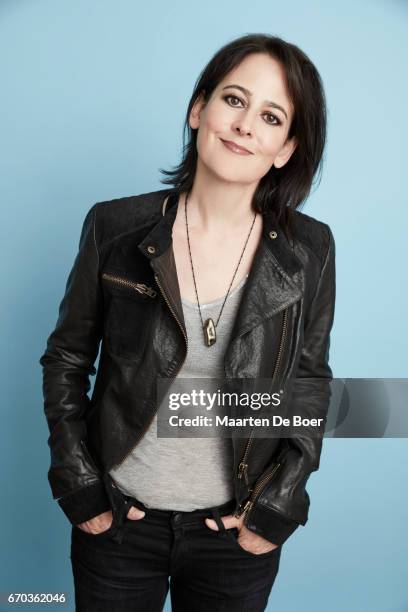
point(243, 466)
point(169, 373)
point(257, 490)
point(174, 314)
point(140, 287)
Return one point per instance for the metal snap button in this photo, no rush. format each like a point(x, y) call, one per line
point(151, 249)
point(273, 234)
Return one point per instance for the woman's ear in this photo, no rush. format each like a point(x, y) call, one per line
point(198, 105)
point(285, 153)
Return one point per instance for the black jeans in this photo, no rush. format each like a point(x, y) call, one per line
point(127, 567)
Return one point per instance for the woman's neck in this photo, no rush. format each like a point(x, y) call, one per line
point(214, 206)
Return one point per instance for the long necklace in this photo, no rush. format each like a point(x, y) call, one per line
point(209, 326)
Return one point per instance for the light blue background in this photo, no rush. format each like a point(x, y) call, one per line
point(93, 96)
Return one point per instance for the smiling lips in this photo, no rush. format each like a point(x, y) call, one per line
point(232, 146)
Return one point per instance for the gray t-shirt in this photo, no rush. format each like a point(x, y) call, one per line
point(187, 474)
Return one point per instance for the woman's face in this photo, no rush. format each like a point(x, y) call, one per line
point(245, 117)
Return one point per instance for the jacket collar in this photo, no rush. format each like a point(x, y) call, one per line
point(275, 280)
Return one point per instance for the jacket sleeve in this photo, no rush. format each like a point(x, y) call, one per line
point(67, 363)
point(284, 502)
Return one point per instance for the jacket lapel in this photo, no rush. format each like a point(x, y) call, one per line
point(161, 257)
point(270, 288)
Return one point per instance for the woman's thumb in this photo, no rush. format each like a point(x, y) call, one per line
point(135, 514)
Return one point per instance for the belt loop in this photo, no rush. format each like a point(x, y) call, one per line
point(120, 514)
point(217, 517)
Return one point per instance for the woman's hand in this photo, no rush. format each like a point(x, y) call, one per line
point(103, 522)
point(247, 539)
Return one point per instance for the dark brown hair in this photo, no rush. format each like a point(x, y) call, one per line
point(283, 189)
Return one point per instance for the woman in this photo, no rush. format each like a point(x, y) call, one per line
point(218, 277)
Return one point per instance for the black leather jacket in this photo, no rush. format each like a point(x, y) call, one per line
point(122, 295)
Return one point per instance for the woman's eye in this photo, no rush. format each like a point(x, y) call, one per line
point(232, 98)
point(274, 119)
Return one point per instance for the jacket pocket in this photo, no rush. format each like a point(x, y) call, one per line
point(259, 486)
point(130, 306)
point(264, 480)
point(125, 287)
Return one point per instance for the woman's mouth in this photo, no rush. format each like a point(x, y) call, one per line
point(232, 146)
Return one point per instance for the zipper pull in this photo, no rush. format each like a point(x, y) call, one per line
point(238, 511)
point(242, 511)
point(148, 290)
point(247, 508)
point(243, 469)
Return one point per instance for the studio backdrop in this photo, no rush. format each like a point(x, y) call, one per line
point(92, 105)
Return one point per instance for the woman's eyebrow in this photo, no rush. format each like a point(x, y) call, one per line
point(249, 94)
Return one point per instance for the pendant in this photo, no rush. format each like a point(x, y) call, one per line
point(209, 332)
